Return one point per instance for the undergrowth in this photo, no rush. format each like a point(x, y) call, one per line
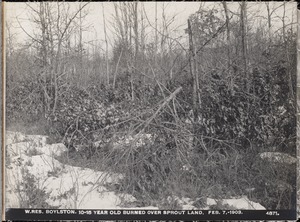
point(30, 194)
point(214, 155)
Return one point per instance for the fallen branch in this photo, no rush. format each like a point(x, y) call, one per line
point(166, 101)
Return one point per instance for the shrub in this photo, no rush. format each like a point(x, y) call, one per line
point(32, 196)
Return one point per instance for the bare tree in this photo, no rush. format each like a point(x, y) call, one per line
point(269, 21)
point(106, 46)
point(195, 79)
point(55, 23)
point(136, 35)
point(228, 32)
point(243, 19)
point(128, 37)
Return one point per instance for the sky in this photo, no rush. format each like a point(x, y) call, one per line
point(18, 14)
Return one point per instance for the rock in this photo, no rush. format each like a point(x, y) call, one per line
point(56, 149)
point(278, 157)
point(39, 140)
point(14, 137)
point(17, 149)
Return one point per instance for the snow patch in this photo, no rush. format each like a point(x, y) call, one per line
point(135, 141)
point(68, 186)
point(237, 203)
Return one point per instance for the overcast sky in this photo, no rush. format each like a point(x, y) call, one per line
point(182, 10)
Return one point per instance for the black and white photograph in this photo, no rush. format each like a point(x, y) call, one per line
point(177, 107)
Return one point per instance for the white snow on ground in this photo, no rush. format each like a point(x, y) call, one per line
point(68, 186)
point(135, 141)
point(239, 203)
point(278, 157)
point(234, 203)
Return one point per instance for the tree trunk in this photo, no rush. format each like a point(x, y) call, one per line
point(116, 71)
point(243, 37)
point(156, 38)
point(44, 55)
point(136, 35)
point(287, 54)
point(106, 47)
point(195, 79)
point(269, 23)
point(228, 44)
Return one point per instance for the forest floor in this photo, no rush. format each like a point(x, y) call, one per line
point(36, 178)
